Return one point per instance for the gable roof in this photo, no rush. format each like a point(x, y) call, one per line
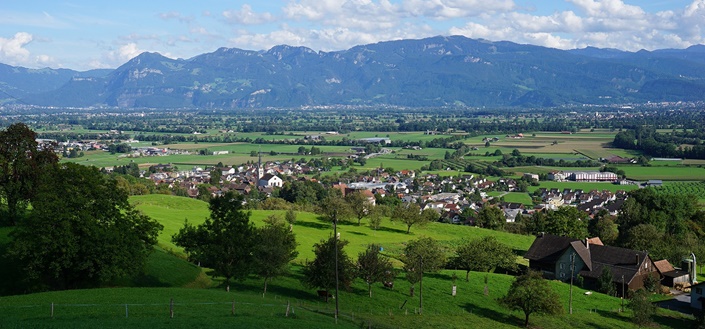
point(664, 266)
point(621, 261)
point(583, 251)
point(548, 248)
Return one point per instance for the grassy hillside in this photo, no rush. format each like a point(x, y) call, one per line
point(171, 211)
point(212, 307)
point(149, 307)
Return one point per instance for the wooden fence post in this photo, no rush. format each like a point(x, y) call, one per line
point(171, 308)
point(52, 310)
point(126, 312)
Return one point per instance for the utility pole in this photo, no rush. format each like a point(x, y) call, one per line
point(335, 237)
point(622, 310)
point(572, 272)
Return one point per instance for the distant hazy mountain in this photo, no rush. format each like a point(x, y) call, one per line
point(427, 72)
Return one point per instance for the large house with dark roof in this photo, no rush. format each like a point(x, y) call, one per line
point(552, 255)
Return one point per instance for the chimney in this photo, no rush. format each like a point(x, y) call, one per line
point(587, 243)
point(637, 259)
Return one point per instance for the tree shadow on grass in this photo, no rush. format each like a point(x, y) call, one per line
point(484, 312)
point(519, 252)
point(357, 233)
point(670, 322)
point(319, 226)
point(392, 230)
point(611, 315)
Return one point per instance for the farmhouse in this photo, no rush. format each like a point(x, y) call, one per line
point(553, 255)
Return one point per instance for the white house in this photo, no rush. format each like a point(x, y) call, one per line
point(269, 180)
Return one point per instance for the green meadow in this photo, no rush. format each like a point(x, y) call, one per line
point(145, 301)
point(172, 211)
point(585, 186)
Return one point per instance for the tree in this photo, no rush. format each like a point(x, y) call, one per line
point(82, 231)
point(216, 175)
point(372, 266)
point(410, 215)
point(643, 237)
point(531, 294)
point(422, 255)
point(334, 208)
point(21, 163)
point(290, 216)
point(567, 221)
point(359, 204)
point(376, 215)
point(642, 308)
point(272, 257)
point(491, 217)
point(320, 273)
point(604, 227)
point(605, 283)
point(224, 242)
point(484, 255)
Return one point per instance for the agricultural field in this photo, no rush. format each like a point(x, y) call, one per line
point(696, 189)
point(666, 173)
point(562, 146)
point(515, 197)
point(585, 186)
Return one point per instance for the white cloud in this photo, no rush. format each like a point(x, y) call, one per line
point(13, 52)
point(448, 9)
point(609, 8)
point(245, 16)
point(177, 16)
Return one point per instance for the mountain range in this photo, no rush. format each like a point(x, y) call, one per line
point(437, 71)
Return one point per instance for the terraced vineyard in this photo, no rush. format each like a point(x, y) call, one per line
point(696, 189)
point(461, 164)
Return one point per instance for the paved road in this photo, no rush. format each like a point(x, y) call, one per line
point(680, 303)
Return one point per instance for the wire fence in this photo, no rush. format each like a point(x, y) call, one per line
point(303, 313)
point(306, 313)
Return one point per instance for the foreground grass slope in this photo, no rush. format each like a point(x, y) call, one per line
point(149, 307)
point(212, 307)
point(172, 211)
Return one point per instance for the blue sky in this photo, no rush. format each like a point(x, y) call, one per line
point(82, 35)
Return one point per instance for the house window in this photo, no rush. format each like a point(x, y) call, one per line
point(562, 273)
point(699, 291)
point(561, 266)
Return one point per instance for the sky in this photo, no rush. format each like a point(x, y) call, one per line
point(89, 34)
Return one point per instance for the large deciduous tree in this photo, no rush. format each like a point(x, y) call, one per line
point(82, 231)
point(484, 255)
point(224, 242)
point(531, 294)
point(320, 273)
point(276, 249)
point(567, 221)
point(21, 166)
point(410, 215)
point(491, 217)
point(359, 205)
point(373, 267)
point(421, 256)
